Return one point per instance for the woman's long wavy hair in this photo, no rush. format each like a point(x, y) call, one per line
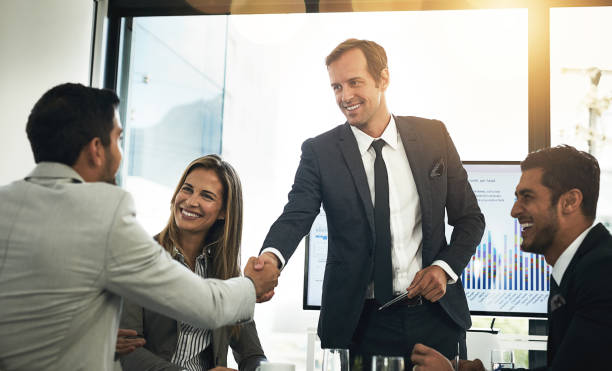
point(225, 235)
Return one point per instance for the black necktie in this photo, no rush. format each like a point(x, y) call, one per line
point(383, 279)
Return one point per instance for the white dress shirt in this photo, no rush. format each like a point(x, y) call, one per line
point(404, 207)
point(566, 257)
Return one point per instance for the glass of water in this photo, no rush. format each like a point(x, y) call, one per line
point(335, 360)
point(386, 363)
point(502, 358)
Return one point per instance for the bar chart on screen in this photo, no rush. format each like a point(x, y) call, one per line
point(500, 278)
point(506, 278)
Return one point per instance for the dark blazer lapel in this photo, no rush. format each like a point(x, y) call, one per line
point(413, 145)
point(352, 157)
point(558, 317)
point(591, 240)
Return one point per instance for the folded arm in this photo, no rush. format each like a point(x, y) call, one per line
point(141, 359)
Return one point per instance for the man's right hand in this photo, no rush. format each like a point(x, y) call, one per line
point(265, 278)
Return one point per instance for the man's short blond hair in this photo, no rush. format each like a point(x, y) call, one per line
point(375, 55)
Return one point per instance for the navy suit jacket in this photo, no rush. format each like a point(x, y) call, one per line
point(580, 318)
point(331, 173)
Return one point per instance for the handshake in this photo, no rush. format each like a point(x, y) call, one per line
point(264, 272)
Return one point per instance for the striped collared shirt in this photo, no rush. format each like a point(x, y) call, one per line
point(192, 341)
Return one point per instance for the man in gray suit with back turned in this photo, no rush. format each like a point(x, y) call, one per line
point(70, 247)
point(385, 182)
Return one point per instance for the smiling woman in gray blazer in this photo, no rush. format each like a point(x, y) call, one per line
point(203, 234)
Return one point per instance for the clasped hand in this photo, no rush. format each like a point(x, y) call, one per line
point(264, 273)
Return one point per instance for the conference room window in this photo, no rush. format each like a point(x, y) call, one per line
point(581, 89)
point(172, 86)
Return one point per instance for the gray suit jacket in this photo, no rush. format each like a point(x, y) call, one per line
point(331, 173)
point(68, 251)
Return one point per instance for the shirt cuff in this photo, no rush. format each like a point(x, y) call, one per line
point(442, 264)
point(277, 254)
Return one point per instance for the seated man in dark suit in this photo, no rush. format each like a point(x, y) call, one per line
point(556, 201)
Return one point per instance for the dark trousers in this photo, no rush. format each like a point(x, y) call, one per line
point(395, 330)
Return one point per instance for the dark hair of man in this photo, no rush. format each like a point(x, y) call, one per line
point(66, 118)
point(375, 55)
point(566, 168)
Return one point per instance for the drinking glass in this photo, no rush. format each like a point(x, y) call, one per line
point(386, 363)
point(502, 358)
point(336, 360)
point(275, 366)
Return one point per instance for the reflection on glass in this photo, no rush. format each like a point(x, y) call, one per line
point(581, 89)
point(174, 105)
point(336, 360)
point(501, 358)
point(386, 363)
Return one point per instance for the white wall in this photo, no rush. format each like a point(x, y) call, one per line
point(42, 43)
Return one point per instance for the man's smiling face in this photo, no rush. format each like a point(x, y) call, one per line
point(535, 212)
point(358, 95)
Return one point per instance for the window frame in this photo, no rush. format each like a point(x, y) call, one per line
point(538, 37)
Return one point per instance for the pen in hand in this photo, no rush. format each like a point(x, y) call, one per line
point(394, 300)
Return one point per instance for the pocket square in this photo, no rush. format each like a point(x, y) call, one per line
point(437, 169)
point(556, 302)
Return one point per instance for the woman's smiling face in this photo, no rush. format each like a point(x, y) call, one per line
point(199, 202)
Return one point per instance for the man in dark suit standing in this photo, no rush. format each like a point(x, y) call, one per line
point(556, 205)
point(385, 182)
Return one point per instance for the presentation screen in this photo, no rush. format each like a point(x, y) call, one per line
point(499, 279)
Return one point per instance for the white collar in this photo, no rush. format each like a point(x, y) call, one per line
point(364, 141)
point(55, 170)
point(566, 257)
